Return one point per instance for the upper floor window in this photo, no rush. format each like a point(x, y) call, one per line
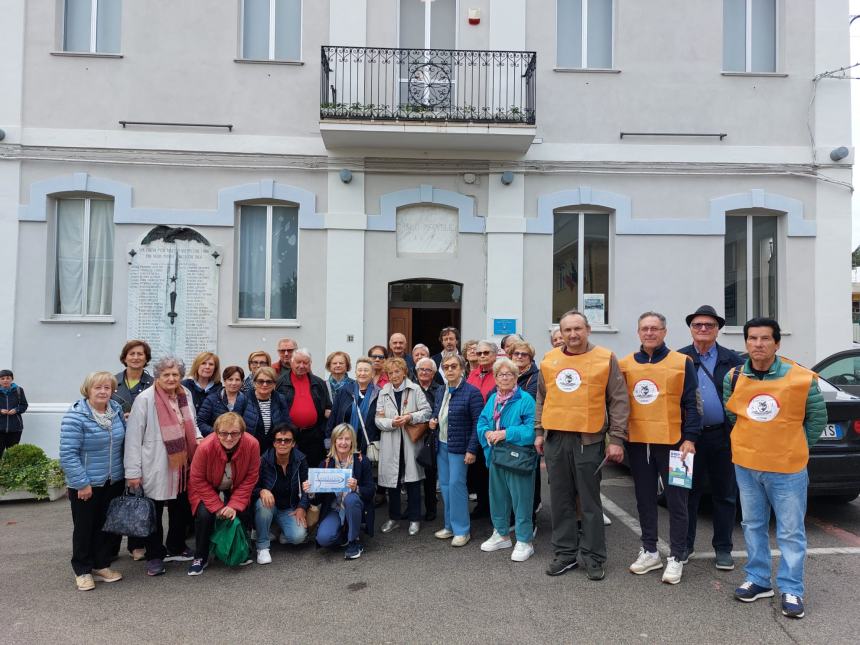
point(92, 26)
point(584, 34)
point(749, 35)
point(751, 271)
point(268, 262)
point(83, 281)
point(272, 30)
point(580, 265)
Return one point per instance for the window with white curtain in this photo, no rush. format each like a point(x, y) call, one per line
point(751, 271)
point(92, 26)
point(83, 282)
point(749, 36)
point(580, 265)
point(268, 262)
point(584, 34)
point(272, 30)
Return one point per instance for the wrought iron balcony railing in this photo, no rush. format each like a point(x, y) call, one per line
point(377, 83)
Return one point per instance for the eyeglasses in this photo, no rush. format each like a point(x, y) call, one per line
point(229, 435)
point(521, 354)
point(651, 330)
point(258, 363)
point(285, 442)
point(452, 366)
point(284, 351)
point(426, 369)
point(485, 352)
point(377, 357)
point(264, 381)
point(703, 325)
point(504, 375)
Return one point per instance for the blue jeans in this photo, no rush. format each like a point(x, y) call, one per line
point(294, 532)
point(786, 494)
point(455, 495)
point(328, 532)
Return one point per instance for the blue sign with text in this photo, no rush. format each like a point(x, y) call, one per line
point(504, 326)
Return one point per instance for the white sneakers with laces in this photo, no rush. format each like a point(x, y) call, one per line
point(646, 562)
point(496, 542)
point(673, 572)
point(522, 552)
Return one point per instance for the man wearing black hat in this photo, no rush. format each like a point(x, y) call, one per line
point(713, 450)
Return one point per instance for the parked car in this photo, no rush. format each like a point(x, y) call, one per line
point(834, 462)
point(842, 369)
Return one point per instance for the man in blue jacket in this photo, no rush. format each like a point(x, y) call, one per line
point(713, 450)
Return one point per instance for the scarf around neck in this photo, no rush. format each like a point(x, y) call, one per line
point(501, 401)
point(180, 439)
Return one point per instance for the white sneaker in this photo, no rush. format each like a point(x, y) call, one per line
point(606, 520)
point(522, 552)
point(496, 542)
point(444, 534)
point(264, 557)
point(461, 540)
point(674, 569)
point(646, 562)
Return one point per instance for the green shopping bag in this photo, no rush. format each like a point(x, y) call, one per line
point(228, 542)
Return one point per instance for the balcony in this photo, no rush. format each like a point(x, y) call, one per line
point(439, 99)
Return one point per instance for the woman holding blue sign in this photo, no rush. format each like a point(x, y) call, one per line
point(345, 509)
point(506, 425)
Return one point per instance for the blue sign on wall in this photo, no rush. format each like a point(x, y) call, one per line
point(504, 326)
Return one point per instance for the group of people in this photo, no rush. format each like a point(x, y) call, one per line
point(476, 418)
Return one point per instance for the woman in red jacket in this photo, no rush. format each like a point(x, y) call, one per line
point(224, 471)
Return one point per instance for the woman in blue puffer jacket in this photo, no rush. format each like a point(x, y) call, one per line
point(91, 454)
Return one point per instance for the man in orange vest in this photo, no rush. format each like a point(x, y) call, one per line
point(664, 416)
point(581, 397)
point(778, 413)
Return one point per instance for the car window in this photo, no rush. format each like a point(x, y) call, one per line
point(845, 371)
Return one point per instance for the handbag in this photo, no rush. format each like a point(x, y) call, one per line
point(229, 542)
point(426, 456)
point(130, 514)
point(416, 430)
point(372, 446)
point(312, 515)
point(516, 459)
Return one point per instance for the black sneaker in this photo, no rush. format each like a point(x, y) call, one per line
point(724, 561)
point(558, 567)
point(595, 571)
point(197, 566)
point(792, 606)
point(750, 592)
point(353, 551)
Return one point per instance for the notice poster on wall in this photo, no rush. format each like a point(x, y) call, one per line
point(594, 308)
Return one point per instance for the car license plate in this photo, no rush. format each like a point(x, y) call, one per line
point(831, 431)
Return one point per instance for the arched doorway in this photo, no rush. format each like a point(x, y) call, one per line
point(420, 307)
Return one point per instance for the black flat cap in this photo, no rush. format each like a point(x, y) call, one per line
point(707, 310)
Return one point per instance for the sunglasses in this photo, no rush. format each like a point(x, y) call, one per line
point(259, 363)
point(452, 366)
point(377, 357)
point(264, 381)
point(483, 353)
point(229, 435)
point(703, 325)
point(285, 442)
point(521, 354)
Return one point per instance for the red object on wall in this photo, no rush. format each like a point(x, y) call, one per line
point(474, 21)
point(474, 16)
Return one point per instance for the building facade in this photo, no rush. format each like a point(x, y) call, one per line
point(369, 166)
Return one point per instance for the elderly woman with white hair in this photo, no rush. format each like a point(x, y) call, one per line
point(425, 371)
point(309, 404)
point(160, 441)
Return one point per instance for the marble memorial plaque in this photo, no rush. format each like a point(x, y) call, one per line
point(426, 229)
point(173, 293)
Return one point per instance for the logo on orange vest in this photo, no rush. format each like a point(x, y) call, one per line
point(568, 380)
point(645, 391)
point(763, 407)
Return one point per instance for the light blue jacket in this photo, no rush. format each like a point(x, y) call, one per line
point(518, 420)
point(89, 455)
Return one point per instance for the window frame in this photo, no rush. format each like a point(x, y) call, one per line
point(51, 300)
point(584, 41)
point(93, 46)
point(267, 307)
point(272, 36)
point(748, 41)
point(580, 260)
point(749, 267)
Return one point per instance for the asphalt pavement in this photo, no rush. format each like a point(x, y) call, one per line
point(420, 590)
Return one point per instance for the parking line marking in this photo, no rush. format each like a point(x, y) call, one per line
point(630, 522)
point(840, 534)
point(774, 553)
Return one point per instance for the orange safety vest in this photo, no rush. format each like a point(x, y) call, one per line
point(655, 391)
point(575, 390)
point(768, 434)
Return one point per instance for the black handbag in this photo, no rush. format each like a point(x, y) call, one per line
point(131, 514)
point(517, 459)
point(426, 456)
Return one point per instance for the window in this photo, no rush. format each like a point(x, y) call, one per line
point(584, 34)
point(92, 26)
point(749, 35)
point(272, 30)
point(83, 282)
point(580, 259)
point(750, 267)
point(268, 262)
